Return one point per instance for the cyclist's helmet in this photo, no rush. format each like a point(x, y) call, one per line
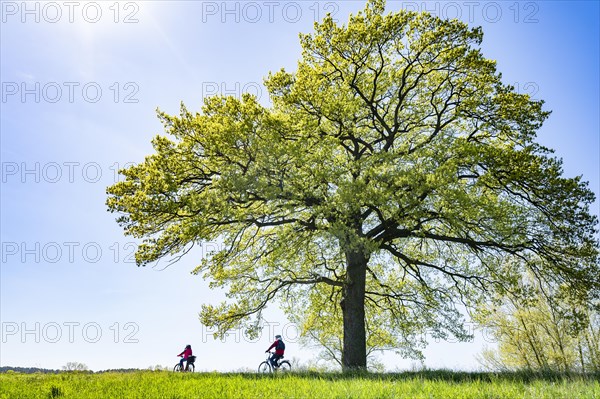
point(278, 337)
point(188, 346)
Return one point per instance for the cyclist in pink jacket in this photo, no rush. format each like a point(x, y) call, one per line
point(187, 352)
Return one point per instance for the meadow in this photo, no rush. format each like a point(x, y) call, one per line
point(422, 385)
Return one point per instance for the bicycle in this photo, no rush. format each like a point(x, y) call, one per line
point(282, 365)
point(189, 367)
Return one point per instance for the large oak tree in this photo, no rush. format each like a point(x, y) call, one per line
point(393, 172)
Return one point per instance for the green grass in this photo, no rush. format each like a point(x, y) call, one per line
point(428, 384)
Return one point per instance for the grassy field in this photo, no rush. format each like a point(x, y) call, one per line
point(168, 385)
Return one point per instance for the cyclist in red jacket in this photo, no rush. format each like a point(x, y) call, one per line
point(279, 350)
point(187, 352)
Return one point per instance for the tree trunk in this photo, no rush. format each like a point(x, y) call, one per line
point(354, 352)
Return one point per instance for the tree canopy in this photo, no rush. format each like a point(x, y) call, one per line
point(393, 173)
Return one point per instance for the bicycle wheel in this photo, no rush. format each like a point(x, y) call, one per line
point(190, 368)
point(177, 367)
point(264, 367)
point(285, 366)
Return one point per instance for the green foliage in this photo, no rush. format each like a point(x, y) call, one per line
point(394, 143)
point(55, 392)
point(547, 332)
point(425, 385)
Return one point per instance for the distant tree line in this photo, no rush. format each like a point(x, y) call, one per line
point(28, 370)
point(75, 367)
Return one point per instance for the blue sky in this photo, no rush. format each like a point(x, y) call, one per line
point(80, 86)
